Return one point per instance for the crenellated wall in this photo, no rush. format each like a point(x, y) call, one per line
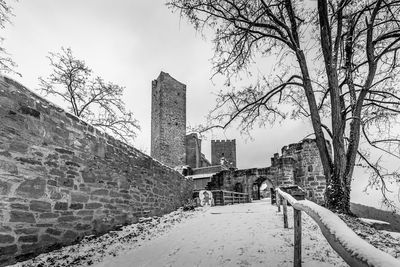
point(223, 149)
point(299, 164)
point(61, 179)
point(308, 170)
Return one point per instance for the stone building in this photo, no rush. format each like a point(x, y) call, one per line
point(298, 163)
point(169, 142)
point(223, 150)
point(168, 120)
point(194, 157)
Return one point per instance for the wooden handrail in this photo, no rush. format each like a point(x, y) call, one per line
point(354, 250)
point(230, 197)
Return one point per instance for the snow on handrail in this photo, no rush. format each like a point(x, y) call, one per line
point(353, 249)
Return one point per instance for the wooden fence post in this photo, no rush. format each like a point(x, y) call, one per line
point(278, 202)
point(297, 237)
point(285, 221)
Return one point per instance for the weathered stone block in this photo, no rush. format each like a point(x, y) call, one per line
point(28, 238)
point(25, 248)
point(70, 235)
point(40, 206)
point(48, 215)
point(85, 212)
point(68, 218)
point(32, 188)
point(61, 206)
point(7, 250)
point(48, 239)
point(26, 231)
point(6, 238)
point(57, 172)
point(53, 231)
point(79, 197)
point(8, 167)
point(5, 229)
point(83, 227)
point(88, 177)
point(94, 205)
point(55, 195)
point(67, 182)
point(19, 206)
point(76, 206)
point(21, 216)
point(4, 188)
point(100, 192)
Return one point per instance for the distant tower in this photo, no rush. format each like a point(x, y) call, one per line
point(193, 150)
point(223, 149)
point(168, 120)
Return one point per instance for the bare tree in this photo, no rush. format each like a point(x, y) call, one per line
point(6, 62)
point(338, 66)
point(92, 99)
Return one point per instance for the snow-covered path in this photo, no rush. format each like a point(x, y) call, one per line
point(238, 235)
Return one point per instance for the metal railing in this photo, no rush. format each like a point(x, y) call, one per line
point(354, 250)
point(222, 197)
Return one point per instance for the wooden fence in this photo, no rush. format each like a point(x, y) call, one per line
point(222, 197)
point(354, 250)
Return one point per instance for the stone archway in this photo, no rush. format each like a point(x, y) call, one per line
point(258, 186)
point(238, 187)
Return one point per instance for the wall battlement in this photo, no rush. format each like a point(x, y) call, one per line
point(299, 164)
point(224, 141)
point(225, 149)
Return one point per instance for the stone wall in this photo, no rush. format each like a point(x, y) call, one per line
point(299, 164)
point(308, 168)
point(168, 120)
point(61, 179)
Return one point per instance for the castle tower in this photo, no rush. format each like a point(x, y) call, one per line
point(193, 150)
point(168, 120)
point(223, 149)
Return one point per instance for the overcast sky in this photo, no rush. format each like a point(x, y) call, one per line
point(129, 42)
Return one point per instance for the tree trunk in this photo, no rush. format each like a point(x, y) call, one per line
point(337, 195)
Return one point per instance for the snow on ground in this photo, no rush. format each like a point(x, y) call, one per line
point(383, 240)
point(395, 235)
point(238, 235)
point(93, 249)
point(250, 234)
point(372, 221)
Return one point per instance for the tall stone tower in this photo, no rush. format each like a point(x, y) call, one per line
point(168, 120)
point(223, 149)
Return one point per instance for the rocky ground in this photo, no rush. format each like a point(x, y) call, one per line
point(383, 240)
